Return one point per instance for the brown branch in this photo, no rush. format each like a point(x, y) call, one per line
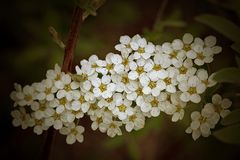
point(66, 67)
point(72, 39)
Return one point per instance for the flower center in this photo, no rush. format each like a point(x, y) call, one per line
point(141, 50)
point(81, 99)
point(139, 91)
point(63, 101)
point(122, 108)
point(28, 98)
point(152, 84)
point(157, 67)
point(125, 80)
point(173, 55)
point(67, 87)
point(167, 81)
point(109, 100)
point(140, 69)
point(48, 91)
point(192, 90)
point(154, 102)
point(103, 87)
point(109, 67)
point(183, 70)
point(132, 118)
point(200, 56)
point(186, 47)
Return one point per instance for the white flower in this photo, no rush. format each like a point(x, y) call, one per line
point(66, 86)
point(55, 74)
point(175, 57)
point(203, 51)
point(169, 80)
point(123, 83)
point(98, 123)
point(191, 89)
point(142, 48)
point(186, 70)
point(46, 90)
point(221, 105)
point(150, 86)
point(88, 67)
point(21, 118)
point(139, 67)
point(113, 129)
point(123, 108)
point(202, 74)
point(69, 116)
point(161, 59)
point(152, 105)
point(135, 121)
point(39, 126)
point(203, 122)
point(73, 132)
point(103, 87)
point(55, 120)
point(110, 103)
point(25, 96)
point(42, 110)
point(79, 102)
point(124, 46)
point(178, 107)
point(187, 40)
point(17, 95)
point(114, 63)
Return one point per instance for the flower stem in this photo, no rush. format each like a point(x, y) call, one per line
point(72, 39)
point(66, 67)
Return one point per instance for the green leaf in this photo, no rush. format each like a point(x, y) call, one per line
point(232, 118)
point(229, 75)
point(229, 134)
point(236, 47)
point(222, 25)
point(237, 59)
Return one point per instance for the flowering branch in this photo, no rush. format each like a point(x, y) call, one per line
point(66, 67)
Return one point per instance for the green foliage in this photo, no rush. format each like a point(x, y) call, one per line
point(237, 59)
point(236, 47)
point(133, 148)
point(232, 118)
point(159, 34)
point(229, 75)
point(230, 134)
point(222, 25)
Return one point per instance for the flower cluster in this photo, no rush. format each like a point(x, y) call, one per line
point(120, 91)
point(204, 121)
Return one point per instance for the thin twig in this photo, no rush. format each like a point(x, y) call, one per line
point(160, 12)
point(66, 67)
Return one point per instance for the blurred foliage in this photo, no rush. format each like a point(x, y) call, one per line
point(232, 118)
point(228, 75)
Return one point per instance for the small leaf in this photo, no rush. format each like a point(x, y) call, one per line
point(232, 118)
point(229, 75)
point(237, 59)
point(229, 134)
point(236, 47)
point(222, 25)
